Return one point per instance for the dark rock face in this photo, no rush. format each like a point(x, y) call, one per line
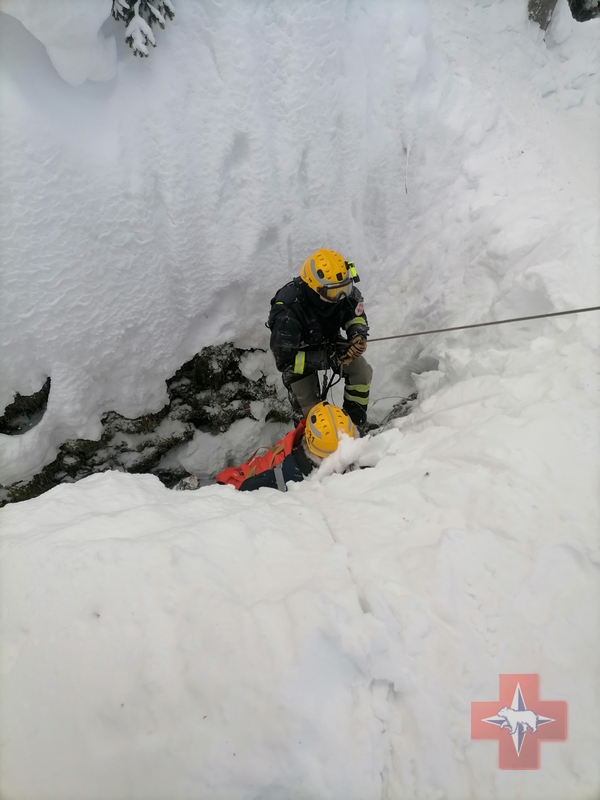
point(217, 393)
point(25, 411)
point(208, 393)
point(541, 11)
point(583, 10)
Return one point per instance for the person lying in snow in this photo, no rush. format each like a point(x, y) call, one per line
point(296, 455)
point(306, 317)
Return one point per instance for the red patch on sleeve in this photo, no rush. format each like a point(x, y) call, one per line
point(360, 308)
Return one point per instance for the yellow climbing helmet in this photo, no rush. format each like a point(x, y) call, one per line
point(324, 424)
point(327, 274)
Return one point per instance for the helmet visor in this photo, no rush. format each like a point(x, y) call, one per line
point(336, 291)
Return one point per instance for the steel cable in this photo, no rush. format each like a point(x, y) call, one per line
point(485, 324)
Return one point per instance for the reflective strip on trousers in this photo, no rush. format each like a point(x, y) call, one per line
point(299, 363)
point(357, 393)
point(359, 387)
point(278, 470)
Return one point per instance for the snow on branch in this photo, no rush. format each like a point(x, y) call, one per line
point(138, 34)
point(139, 17)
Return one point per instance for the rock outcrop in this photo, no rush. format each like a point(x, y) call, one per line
point(207, 393)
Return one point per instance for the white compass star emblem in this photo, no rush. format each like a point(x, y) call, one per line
point(518, 718)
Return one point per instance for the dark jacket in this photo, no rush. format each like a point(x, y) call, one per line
point(301, 322)
point(294, 467)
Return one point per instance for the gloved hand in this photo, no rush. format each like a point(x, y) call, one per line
point(356, 347)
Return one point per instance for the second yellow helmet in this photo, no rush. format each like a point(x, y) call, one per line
point(324, 424)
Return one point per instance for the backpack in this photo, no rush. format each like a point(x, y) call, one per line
point(284, 298)
point(257, 464)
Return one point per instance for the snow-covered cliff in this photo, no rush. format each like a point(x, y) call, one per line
point(327, 642)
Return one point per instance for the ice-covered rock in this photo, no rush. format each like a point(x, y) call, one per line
point(212, 399)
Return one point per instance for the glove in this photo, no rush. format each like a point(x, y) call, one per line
point(356, 347)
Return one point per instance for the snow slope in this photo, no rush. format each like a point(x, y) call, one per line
point(329, 642)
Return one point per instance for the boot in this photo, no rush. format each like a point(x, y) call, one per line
point(356, 412)
point(358, 415)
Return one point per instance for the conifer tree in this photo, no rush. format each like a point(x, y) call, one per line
point(139, 16)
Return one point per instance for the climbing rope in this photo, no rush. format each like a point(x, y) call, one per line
point(328, 385)
point(485, 324)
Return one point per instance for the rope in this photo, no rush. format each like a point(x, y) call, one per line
point(485, 324)
point(328, 386)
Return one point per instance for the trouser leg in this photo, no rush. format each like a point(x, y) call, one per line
point(303, 393)
point(357, 376)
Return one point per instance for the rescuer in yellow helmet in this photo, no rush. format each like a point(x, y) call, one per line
point(297, 454)
point(306, 320)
